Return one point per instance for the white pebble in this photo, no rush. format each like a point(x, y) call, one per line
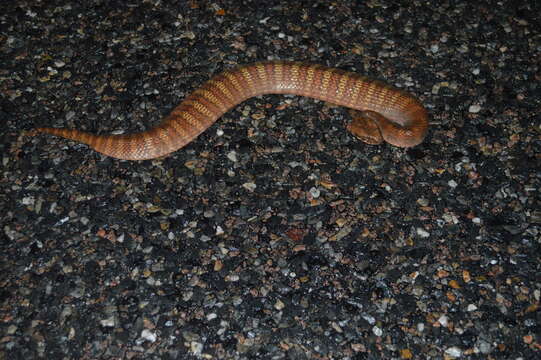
point(250, 186)
point(371, 320)
point(474, 109)
point(148, 335)
point(28, 200)
point(454, 351)
point(110, 322)
point(443, 320)
point(219, 230)
point(423, 233)
point(279, 305)
point(232, 155)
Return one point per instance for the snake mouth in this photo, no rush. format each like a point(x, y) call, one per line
point(368, 140)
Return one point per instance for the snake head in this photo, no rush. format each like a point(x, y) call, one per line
point(364, 126)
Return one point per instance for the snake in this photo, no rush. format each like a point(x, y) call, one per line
point(379, 112)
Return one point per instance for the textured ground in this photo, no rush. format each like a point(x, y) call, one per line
point(275, 234)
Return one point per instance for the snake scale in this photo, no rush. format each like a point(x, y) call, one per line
point(379, 111)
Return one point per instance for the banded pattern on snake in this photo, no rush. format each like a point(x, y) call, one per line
point(381, 112)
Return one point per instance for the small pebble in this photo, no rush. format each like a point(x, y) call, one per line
point(148, 335)
point(454, 351)
point(474, 109)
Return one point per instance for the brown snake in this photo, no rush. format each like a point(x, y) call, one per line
point(385, 112)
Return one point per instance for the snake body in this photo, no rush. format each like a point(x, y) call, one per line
point(387, 113)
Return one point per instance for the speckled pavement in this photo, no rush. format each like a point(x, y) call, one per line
point(275, 234)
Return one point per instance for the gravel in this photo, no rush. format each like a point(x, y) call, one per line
point(275, 234)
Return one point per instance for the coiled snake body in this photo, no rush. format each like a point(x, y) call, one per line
point(386, 113)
